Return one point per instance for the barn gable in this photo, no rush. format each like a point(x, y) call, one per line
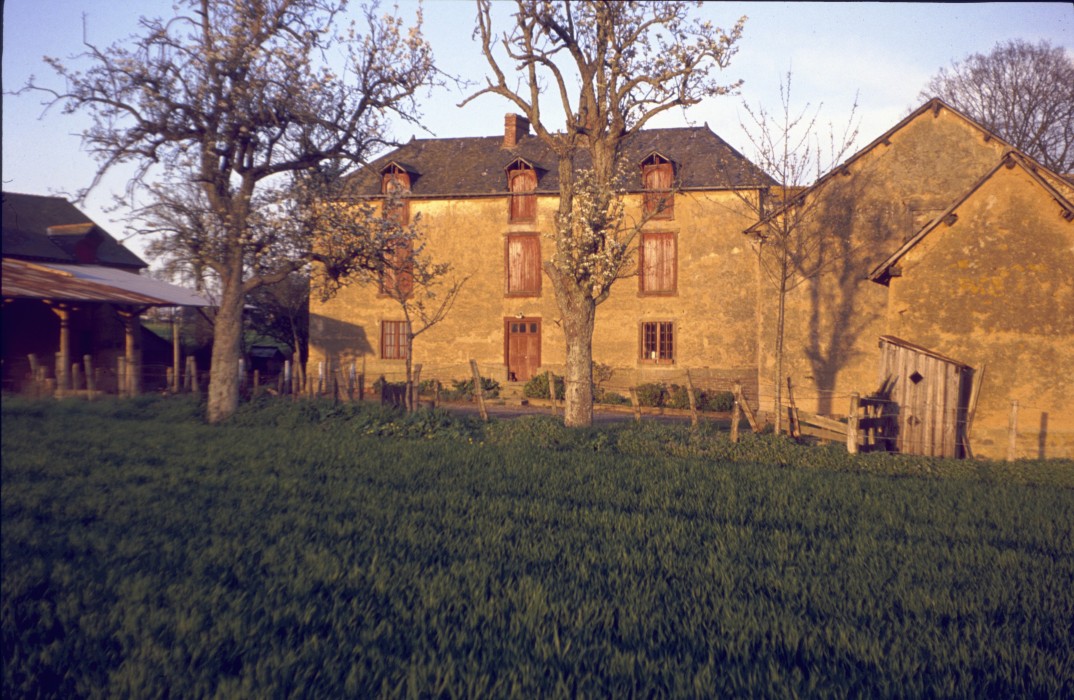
point(989, 282)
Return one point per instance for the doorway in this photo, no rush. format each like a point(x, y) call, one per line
point(522, 348)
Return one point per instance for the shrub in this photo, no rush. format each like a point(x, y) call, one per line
point(652, 394)
point(464, 388)
point(614, 399)
point(537, 387)
point(679, 397)
point(717, 401)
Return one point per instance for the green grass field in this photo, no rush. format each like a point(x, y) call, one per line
point(320, 551)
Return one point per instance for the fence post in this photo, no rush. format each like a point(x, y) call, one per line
point(415, 391)
point(91, 378)
point(852, 425)
point(551, 389)
point(35, 386)
point(478, 392)
point(754, 426)
point(693, 402)
point(636, 403)
point(736, 416)
point(1012, 433)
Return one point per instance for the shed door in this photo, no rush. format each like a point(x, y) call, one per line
point(931, 394)
point(523, 348)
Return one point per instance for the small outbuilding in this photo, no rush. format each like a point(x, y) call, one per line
point(930, 398)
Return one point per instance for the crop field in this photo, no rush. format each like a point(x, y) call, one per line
point(319, 551)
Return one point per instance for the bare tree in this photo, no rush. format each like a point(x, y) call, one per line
point(607, 68)
point(406, 273)
point(794, 245)
point(1022, 92)
point(220, 104)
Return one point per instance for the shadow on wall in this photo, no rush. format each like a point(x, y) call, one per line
point(855, 234)
point(339, 340)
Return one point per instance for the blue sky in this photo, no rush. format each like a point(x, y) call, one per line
point(884, 52)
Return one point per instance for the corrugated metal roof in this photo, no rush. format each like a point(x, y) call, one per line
point(24, 279)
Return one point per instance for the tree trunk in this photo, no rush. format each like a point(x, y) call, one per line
point(227, 349)
point(578, 321)
point(408, 383)
point(780, 316)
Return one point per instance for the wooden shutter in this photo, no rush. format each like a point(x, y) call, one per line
point(398, 275)
point(524, 264)
point(658, 263)
point(523, 185)
point(657, 180)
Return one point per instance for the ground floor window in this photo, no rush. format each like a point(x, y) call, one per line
point(393, 340)
point(658, 341)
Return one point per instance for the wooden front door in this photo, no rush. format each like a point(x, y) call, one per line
point(522, 348)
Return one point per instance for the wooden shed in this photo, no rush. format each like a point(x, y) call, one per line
point(931, 396)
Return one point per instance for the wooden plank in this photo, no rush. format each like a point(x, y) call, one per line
point(834, 436)
point(822, 421)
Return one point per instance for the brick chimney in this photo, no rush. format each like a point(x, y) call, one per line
point(515, 127)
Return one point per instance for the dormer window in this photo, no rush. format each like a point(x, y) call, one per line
point(395, 186)
point(657, 178)
point(522, 184)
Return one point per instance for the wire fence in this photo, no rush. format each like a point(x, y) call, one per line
point(872, 422)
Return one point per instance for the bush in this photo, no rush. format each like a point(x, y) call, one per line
point(721, 401)
point(537, 387)
point(464, 389)
point(679, 397)
point(652, 394)
point(614, 399)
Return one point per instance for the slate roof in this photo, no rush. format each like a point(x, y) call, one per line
point(27, 219)
point(452, 167)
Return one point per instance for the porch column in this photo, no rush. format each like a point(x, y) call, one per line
point(131, 385)
point(63, 355)
point(177, 324)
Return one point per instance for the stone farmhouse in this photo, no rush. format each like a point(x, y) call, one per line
point(487, 206)
point(944, 251)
